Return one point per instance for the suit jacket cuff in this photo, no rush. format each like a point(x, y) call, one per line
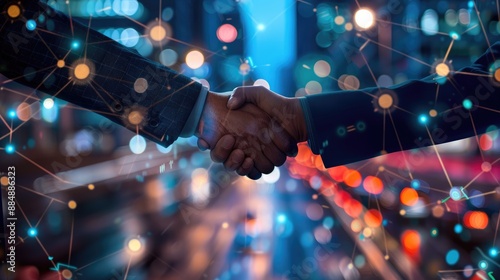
point(310, 126)
point(194, 118)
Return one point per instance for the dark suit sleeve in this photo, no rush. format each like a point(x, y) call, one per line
point(121, 85)
point(350, 126)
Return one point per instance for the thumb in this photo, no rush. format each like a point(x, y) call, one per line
point(242, 95)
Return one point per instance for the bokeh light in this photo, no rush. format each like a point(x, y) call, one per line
point(364, 18)
point(195, 59)
point(227, 33)
point(408, 197)
point(137, 144)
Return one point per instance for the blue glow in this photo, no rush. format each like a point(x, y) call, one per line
point(31, 25)
point(471, 4)
point(261, 27)
point(452, 257)
point(493, 252)
point(415, 184)
point(483, 265)
point(328, 222)
point(454, 35)
point(281, 218)
point(75, 45)
point(455, 193)
point(32, 232)
point(137, 144)
point(458, 228)
point(423, 119)
point(12, 114)
point(10, 149)
point(467, 104)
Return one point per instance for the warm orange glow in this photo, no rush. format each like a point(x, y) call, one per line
point(373, 218)
point(341, 198)
point(337, 173)
point(410, 240)
point(373, 185)
point(408, 196)
point(13, 11)
point(356, 225)
point(304, 154)
point(352, 178)
point(476, 219)
point(353, 208)
point(318, 162)
point(485, 142)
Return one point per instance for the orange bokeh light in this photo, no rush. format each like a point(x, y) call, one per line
point(337, 173)
point(353, 208)
point(410, 240)
point(373, 218)
point(476, 219)
point(373, 185)
point(408, 196)
point(352, 178)
point(485, 142)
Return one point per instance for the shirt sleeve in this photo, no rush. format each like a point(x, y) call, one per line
point(195, 116)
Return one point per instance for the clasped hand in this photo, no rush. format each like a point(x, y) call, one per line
point(252, 131)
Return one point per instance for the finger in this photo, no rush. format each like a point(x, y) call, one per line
point(235, 160)
point(246, 167)
point(273, 154)
point(203, 145)
point(254, 174)
point(27, 273)
point(283, 140)
point(263, 164)
point(223, 148)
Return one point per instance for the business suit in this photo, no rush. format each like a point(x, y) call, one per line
point(115, 82)
point(348, 126)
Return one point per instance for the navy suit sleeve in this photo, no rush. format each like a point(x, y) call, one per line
point(69, 60)
point(350, 126)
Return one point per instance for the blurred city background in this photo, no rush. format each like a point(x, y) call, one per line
point(142, 211)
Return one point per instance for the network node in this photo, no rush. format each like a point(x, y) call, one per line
point(423, 119)
point(442, 69)
point(483, 265)
point(364, 18)
point(82, 71)
point(134, 245)
point(61, 63)
point(14, 11)
point(72, 204)
point(32, 232)
point(486, 166)
point(10, 149)
point(433, 113)
point(66, 274)
point(497, 75)
point(158, 33)
point(467, 103)
point(31, 25)
point(493, 252)
point(455, 194)
point(385, 101)
point(135, 118)
point(91, 187)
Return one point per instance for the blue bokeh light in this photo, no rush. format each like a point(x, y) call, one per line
point(10, 149)
point(31, 25)
point(458, 228)
point(32, 232)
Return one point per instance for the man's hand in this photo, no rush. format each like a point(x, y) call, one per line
point(287, 112)
point(248, 140)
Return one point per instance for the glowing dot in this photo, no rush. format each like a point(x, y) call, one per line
point(322, 68)
point(373, 185)
point(14, 11)
point(410, 240)
point(442, 69)
point(137, 144)
point(141, 85)
point(483, 265)
point(225, 225)
point(31, 25)
point(381, 169)
point(227, 33)
point(373, 218)
point(455, 35)
point(12, 114)
point(245, 68)
point(195, 59)
point(415, 184)
point(23, 111)
point(433, 113)
point(408, 196)
point(339, 20)
point(4, 181)
point(467, 104)
point(385, 101)
point(134, 245)
point(32, 232)
point(475, 219)
point(66, 274)
point(452, 257)
point(262, 83)
point(497, 75)
point(364, 18)
point(423, 119)
point(458, 228)
point(352, 178)
point(48, 103)
point(493, 252)
point(158, 33)
point(486, 166)
point(356, 225)
point(485, 142)
point(402, 212)
point(350, 266)
point(82, 71)
point(386, 257)
point(72, 204)
point(75, 45)
point(261, 27)
point(434, 232)
point(348, 26)
point(313, 87)
point(91, 187)
point(10, 149)
point(367, 232)
point(438, 210)
point(455, 193)
point(61, 63)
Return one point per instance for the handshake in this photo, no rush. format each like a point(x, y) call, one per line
point(251, 131)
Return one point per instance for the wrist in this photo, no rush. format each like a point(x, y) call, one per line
point(300, 120)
